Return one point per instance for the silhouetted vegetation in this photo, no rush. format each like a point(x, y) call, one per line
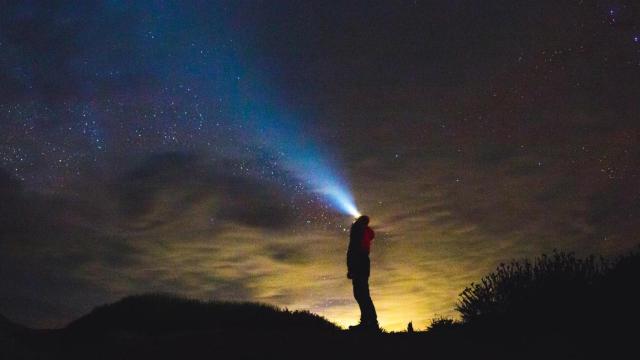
point(442, 324)
point(550, 286)
point(557, 306)
point(557, 298)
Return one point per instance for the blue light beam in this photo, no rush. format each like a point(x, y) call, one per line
point(243, 93)
point(303, 158)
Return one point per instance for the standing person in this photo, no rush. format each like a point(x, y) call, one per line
point(358, 267)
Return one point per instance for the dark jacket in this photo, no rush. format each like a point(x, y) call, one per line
point(358, 264)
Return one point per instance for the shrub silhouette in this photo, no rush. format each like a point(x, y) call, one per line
point(559, 293)
point(410, 327)
point(443, 325)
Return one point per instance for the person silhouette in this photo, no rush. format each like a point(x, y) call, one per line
point(358, 270)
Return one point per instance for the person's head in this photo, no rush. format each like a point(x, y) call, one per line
point(362, 220)
point(358, 227)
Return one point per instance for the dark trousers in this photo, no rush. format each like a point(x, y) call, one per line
point(361, 293)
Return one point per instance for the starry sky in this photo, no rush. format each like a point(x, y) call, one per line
point(166, 146)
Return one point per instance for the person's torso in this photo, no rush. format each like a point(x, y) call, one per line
point(367, 239)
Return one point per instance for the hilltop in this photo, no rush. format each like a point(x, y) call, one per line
point(167, 314)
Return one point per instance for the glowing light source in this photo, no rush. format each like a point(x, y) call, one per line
point(343, 200)
point(311, 166)
point(300, 154)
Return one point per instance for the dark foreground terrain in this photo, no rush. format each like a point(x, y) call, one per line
point(159, 327)
point(556, 307)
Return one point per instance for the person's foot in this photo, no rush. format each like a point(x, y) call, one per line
point(366, 326)
point(372, 326)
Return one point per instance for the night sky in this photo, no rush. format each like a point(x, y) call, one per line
point(167, 146)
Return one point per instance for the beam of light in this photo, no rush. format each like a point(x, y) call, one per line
point(318, 174)
point(303, 157)
point(343, 200)
point(267, 122)
point(251, 103)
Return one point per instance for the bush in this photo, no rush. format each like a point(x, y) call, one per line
point(442, 324)
point(552, 293)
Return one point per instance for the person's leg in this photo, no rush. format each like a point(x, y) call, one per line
point(369, 310)
point(360, 293)
point(368, 314)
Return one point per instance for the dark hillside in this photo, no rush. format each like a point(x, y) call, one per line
point(9, 327)
point(167, 326)
point(160, 314)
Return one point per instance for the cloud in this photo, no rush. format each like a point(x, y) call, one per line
point(43, 252)
point(166, 188)
point(164, 225)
